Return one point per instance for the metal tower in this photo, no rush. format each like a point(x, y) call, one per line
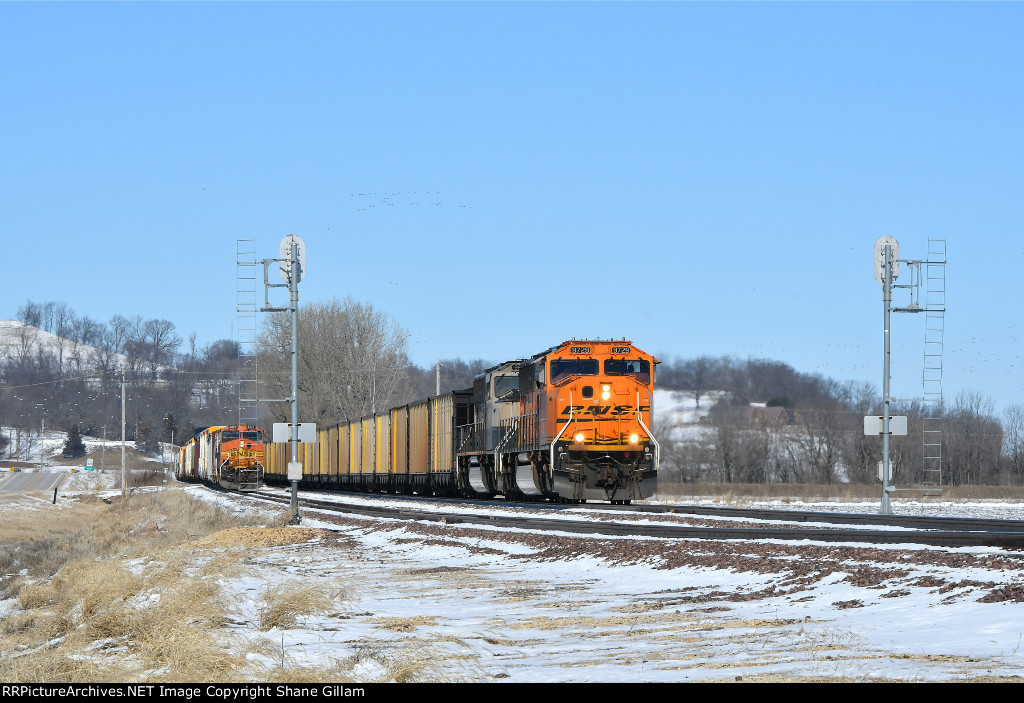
point(247, 307)
point(934, 330)
point(927, 276)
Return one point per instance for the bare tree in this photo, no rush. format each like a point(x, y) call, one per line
point(63, 321)
point(820, 441)
point(107, 357)
point(456, 374)
point(352, 360)
point(742, 453)
point(119, 326)
point(193, 350)
point(46, 315)
point(160, 341)
point(27, 339)
point(972, 439)
point(697, 376)
point(31, 314)
point(1013, 441)
point(86, 330)
point(133, 345)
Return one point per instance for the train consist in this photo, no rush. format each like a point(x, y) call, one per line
point(569, 424)
point(231, 456)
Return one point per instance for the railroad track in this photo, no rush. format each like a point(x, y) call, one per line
point(934, 531)
point(921, 522)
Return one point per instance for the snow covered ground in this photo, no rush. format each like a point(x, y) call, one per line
point(510, 605)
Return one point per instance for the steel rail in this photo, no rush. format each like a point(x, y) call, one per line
point(938, 538)
point(907, 521)
point(924, 522)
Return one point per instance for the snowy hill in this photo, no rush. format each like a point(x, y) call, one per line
point(19, 341)
point(676, 408)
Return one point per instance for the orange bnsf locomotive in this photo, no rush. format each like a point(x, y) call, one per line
point(570, 424)
point(583, 428)
point(231, 456)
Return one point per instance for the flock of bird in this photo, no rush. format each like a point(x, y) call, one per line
point(390, 199)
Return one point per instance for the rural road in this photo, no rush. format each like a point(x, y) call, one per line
point(26, 481)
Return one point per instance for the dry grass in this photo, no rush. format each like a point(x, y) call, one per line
point(146, 477)
point(284, 604)
point(134, 591)
point(97, 605)
point(411, 661)
point(120, 592)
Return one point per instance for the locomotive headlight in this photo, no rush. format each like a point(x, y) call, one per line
point(606, 392)
point(579, 438)
point(634, 438)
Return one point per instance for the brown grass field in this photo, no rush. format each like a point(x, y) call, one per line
point(130, 591)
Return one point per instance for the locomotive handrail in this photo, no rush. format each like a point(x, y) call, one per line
point(567, 423)
point(527, 420)
point(464, 435)
point(513, 425)
point(640, 417)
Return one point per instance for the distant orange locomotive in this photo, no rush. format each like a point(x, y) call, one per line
point(570, 424)
point(228, 455)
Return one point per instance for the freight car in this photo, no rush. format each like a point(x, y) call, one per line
point(228, 455)
point(569, 424)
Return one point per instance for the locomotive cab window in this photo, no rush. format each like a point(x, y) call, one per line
point(506, 387)
point(254, 436)
point(563, 368)
point(640, 369)
point(228, 435)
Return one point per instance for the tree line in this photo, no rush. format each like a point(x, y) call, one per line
point(353, 362)
point(70, 379)
point(820, 436)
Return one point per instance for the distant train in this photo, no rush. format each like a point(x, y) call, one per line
point(569, 424)
point(227, 455)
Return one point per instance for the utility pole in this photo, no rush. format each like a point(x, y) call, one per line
point(124, 478)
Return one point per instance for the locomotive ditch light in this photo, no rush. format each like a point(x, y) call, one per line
point(634, 438)
point(579, 438)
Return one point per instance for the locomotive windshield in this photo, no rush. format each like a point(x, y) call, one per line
point(638, 368)
point(228, 435)
point(505, 387)
point(254, 436)
point(563, 368)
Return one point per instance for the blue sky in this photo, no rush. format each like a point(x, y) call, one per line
point(702, 178)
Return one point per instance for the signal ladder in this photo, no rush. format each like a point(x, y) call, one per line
point(935, 312)
point(246, 306)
